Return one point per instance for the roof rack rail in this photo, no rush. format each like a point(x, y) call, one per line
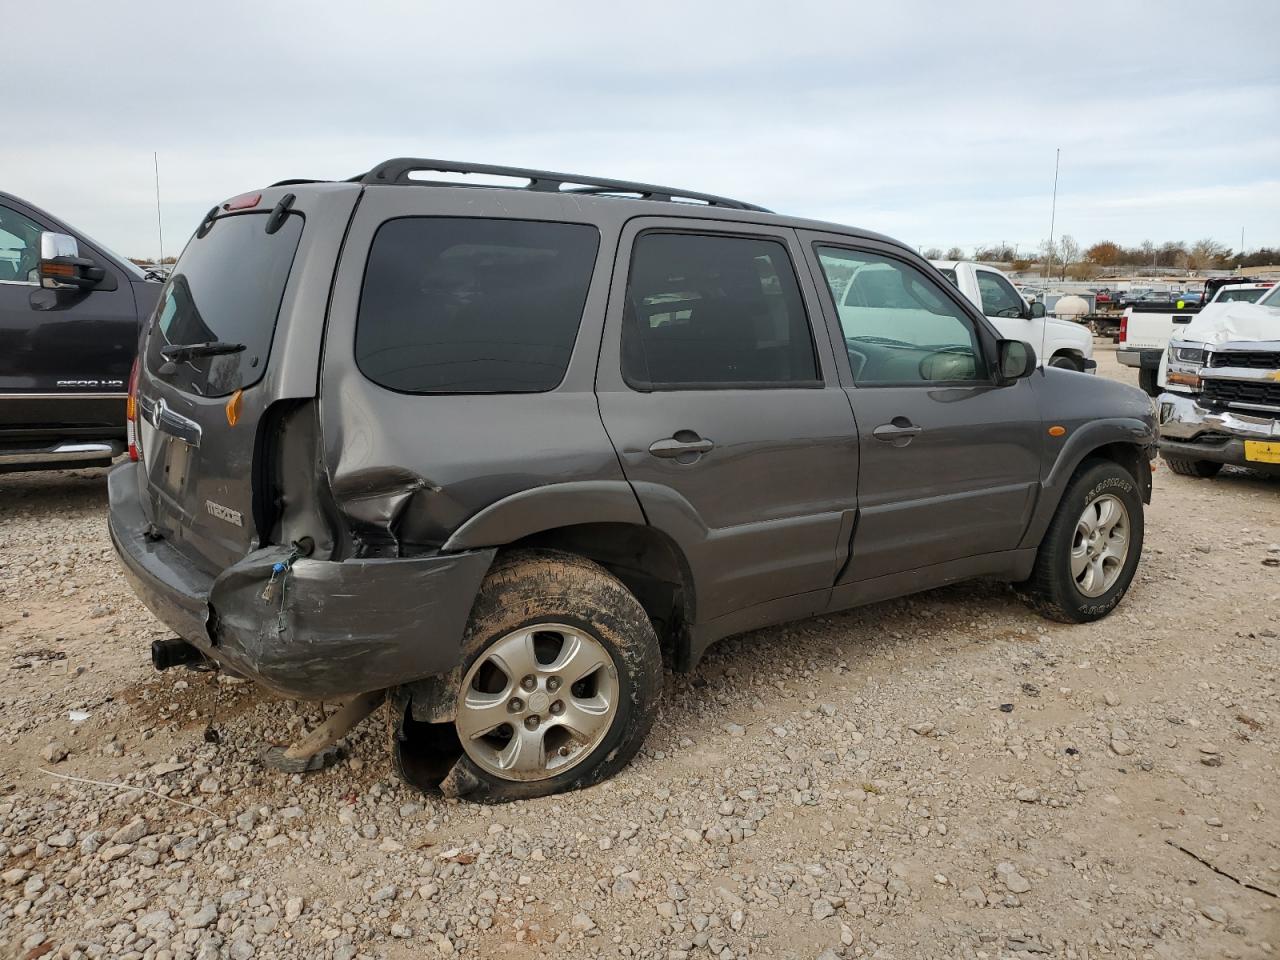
point(397, 172)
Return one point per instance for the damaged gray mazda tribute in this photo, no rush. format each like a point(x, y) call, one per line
point(489, 453)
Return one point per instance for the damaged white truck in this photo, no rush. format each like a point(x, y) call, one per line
point(1220, 399)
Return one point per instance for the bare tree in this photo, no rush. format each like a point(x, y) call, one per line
point(955, 253)
point(1068, 252)
point(933, 253)
point(1206, 253)
point(1048, 254)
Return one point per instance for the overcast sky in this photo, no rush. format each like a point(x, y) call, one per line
point(933, 122)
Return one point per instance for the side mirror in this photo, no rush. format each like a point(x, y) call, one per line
point(1037, 311)
point(1016, 359)
point(62, 266)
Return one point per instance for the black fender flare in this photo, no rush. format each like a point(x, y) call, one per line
point(546, 508)
point(1083, 441)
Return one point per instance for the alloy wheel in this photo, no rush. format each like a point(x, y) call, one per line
point(537, 702)
point(1100, 545)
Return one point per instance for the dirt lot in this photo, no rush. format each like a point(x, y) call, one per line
point(945, 776)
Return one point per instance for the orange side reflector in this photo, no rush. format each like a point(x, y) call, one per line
point(51, 269)
point(1056, 431)
point(233, 408)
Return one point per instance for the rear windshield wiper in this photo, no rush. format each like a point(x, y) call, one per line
point(178, 352)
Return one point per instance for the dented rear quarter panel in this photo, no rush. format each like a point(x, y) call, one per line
point(407, 470)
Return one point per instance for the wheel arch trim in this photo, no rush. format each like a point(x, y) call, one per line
point(548, 507)
point(1097, 436)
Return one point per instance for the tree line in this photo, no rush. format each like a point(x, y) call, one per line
point(1069, 260)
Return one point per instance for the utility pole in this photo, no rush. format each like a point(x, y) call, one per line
point(1053, 212)
point(159, 222)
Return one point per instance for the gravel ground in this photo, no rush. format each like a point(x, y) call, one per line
point(943, 776)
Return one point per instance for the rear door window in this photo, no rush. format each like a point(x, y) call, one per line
point(473, 305)
point(226, 287)
point(714, 311)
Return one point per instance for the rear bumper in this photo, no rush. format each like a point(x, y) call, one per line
point(329, 629)
point(1143, 358)
point(1200, 433)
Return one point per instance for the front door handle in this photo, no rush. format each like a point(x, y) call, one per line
point(899, 431)
point(685, 447)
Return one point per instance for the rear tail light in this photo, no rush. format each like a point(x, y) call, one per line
point(1124, 328)
point(131, 415)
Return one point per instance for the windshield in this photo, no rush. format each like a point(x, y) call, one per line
point(1240, 294)
point(227, 287)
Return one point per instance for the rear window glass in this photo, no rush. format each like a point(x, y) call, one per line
point(1240, 295)
point(226, 288)
point(472, 305)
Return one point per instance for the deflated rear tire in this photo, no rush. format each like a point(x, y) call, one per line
point(561, 673)
point(1091, 550)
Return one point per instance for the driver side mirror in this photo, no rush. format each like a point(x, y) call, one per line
point(1015, 360)
point(61, 265)
point(1036, 311)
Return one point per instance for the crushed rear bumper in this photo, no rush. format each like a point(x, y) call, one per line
point(327, 629)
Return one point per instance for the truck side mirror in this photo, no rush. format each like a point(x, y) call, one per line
point(1015, 359)
point(62, 266)
point(1037, 311)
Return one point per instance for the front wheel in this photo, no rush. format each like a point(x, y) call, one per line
point(1066, 362)
point(1090, 552)
point(1205, 469)
point(562, 670)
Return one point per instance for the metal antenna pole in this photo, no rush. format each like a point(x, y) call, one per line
point(159, 222)
point(1053, 210)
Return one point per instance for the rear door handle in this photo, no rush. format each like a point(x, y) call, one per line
point(686, 446)
point(899, 431)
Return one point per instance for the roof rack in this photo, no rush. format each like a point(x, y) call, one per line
point(397, 172)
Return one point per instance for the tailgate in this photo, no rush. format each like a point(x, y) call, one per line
point(235, 338)
point(1150, 329)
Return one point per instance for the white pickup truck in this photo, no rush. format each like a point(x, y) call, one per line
point(1146, 327)
point(1221, 399)
point(1060, 343)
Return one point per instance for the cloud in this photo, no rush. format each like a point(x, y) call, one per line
point(933, 122)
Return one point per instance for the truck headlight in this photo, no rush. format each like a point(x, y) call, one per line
point(1192, 356)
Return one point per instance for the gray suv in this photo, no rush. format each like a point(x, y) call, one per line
point(491, 453)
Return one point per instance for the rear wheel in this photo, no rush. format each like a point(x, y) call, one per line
point(1205, 469)
point(562, 673)
point(1090, 552)
point(1147, 380)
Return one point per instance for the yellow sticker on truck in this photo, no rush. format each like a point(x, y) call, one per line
point(1260, 451)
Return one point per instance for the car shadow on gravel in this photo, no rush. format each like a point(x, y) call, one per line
point(921, 630)
point(53, 489)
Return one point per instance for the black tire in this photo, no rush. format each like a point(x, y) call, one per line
point(1051, 589)
point(1147, 380)
point(1066, 362)
point(544, 586)
point(1185, 466)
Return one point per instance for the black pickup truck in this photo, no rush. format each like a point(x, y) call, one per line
point(70, 313)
